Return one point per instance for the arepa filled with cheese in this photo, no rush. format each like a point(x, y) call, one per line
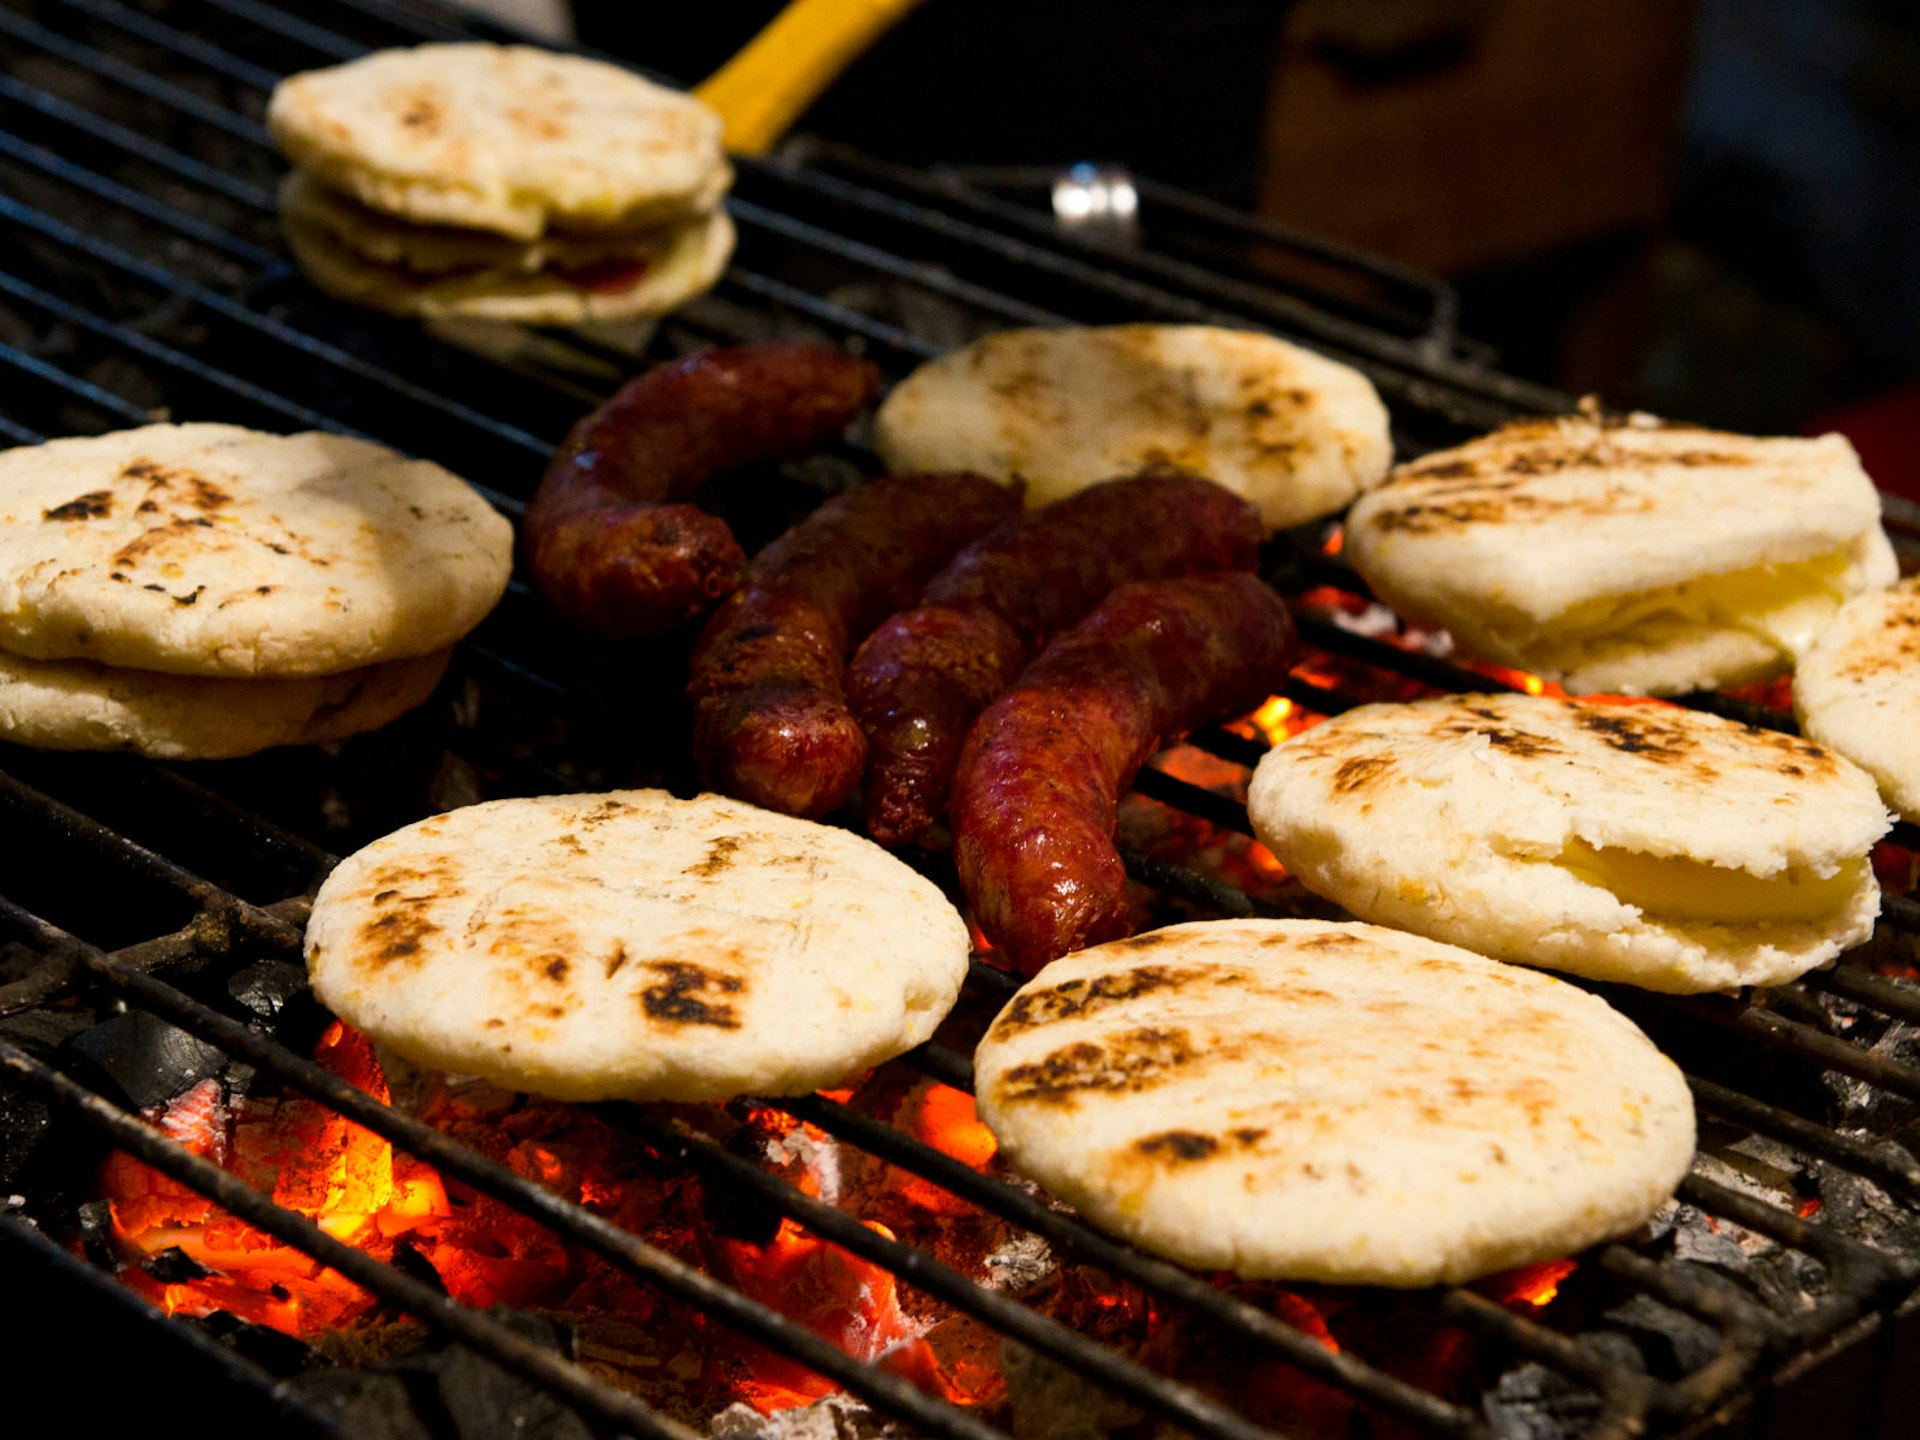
point(1661, 847)
point(1626, 555)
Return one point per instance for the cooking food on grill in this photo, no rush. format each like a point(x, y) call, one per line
point(1298, 1100)
point(1036, 796)
point(1662, 847)
point(634, 945)
point(771, 722)
point(501, 182)
point(1858, 690)
point(214, 550)
point(1295, 433)
point(78, 705)
point(612, 544)
point(920, 679)
point(204, 591)
point(1626, 554)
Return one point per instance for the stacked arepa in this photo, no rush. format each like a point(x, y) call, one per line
point(205, 591)
point(503, 183)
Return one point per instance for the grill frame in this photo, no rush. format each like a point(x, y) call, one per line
point(934, 235)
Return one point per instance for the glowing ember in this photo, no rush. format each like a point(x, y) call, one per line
point(1534, 1285)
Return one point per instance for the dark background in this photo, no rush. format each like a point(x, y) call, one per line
point(1708, 208)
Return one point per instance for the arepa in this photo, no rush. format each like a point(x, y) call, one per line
point(1295, 433)
point(634, 945)
point(214, 550)
point(1858, 690)
point(1298, 1100)
point(78, 705)
point(1662, 847)
point(1627, 555)
point(355, 254)
point(503, 138)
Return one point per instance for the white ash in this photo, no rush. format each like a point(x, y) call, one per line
point(1020, 1262)
point(832, 1417)
point(820, 1158)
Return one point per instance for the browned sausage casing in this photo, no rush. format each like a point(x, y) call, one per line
point(1036, 796)
point(607, 546)
point(921, 678)
point(771, 723)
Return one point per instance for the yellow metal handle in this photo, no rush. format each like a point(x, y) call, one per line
point(783, 69)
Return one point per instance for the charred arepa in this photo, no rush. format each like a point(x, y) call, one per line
point(1291, 431)
point(1627, 555)
point(1643, 843)
point(198, 591)
point(1298, 1100)
point(501, 182)
point(1858, 690)
point(635, 946)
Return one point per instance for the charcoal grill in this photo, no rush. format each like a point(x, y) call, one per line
point(143, 278)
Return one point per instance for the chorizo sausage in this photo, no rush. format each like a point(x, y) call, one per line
point(610, 541)
point(771, 723)
point(920, 680)
point(1036, 794)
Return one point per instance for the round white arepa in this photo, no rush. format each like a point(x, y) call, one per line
point(503, 138)
point(357, 255)
point(1642, 843)
point(1298, 1100)
point(218, 551)
point(1858, 690)
point(78, 705)
point(1293, 432)
point(636, 946)
point(1626, 555)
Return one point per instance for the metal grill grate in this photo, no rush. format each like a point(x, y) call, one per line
point(140, 273)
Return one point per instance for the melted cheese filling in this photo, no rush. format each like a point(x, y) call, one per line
point(1785, 605)
point(1674, 888)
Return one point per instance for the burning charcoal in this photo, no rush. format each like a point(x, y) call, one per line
point(1672, 1343)
point(269, 987)
point(1856, 1206)
point(147, 1060)
point(410, 1262)
point(272, 1351)
point(96, 1233)
point(173, 1266)
point(1535, 1403)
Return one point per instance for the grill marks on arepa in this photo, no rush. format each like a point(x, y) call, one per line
point(1297, 1100)
point(1858, 690)
point(1659, 846)
point(1294, 433)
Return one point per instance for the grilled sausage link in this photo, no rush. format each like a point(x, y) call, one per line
point(608, 546)
point(771, 723)
point(1036, 795)
point(920, 679)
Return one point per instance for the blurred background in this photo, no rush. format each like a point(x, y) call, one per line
point(1705, 208)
